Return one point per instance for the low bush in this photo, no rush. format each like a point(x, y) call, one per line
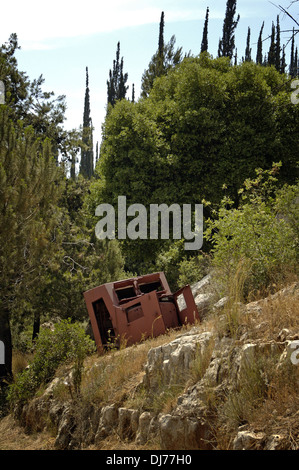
point(67, 343)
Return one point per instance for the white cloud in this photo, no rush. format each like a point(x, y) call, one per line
point(37, 26)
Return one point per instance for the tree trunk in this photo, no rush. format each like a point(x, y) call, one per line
point(36, 326)
point(6, 347)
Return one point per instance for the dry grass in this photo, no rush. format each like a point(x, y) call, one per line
point(20, 361)
point(266, 318)
point(266, 395)
point(115, 376)
point(13, 437)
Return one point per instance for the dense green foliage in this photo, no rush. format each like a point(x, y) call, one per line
point(205, 126)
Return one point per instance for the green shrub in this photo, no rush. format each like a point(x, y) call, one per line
point(262, 232)
point(193, 269)
point(67, 343)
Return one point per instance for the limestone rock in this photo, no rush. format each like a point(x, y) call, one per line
point(65, 430)
point(248, 440)
point(142, 435)
point(108, 421)
point(180, 433)
point(128, 421)
point(169, 364)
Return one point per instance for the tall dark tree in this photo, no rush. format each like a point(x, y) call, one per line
point(86, 167)
point(272, 48)
point(164, 59)
point(277, 46)
point(248, 48)
point(259, 53)
point(227, 43)
point(283, 63)
point(116, 85)
point(160, 61)
point(236, 57)
point(97, 152)
point(292, 59)
point(204, 42)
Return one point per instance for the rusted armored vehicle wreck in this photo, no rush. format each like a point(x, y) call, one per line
point(137, 308)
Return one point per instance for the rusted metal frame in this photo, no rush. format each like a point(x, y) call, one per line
point(190, 313)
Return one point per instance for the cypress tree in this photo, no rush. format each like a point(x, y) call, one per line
point(227, 43)
point(248, 48)
point(283, 60)
point(236, 57)
point(86, 166)
point(163, 60)
point(160, 59)
point(259, 53)
point(97, 152)
point(204, 42)
point(272, 49)
point(292, 60)
point(277, 47)
point(116, 85)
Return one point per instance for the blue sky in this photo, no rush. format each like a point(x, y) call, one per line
point(59, 39)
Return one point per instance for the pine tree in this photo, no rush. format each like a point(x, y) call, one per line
point(259, 53)
point(86, 167)
point(116, 85)
point(248, 48)
point(27, 100)
point(227, 43)
point(204, 42)
point(133, 93)
point(30, 220)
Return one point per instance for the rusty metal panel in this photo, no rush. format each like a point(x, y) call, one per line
point(186, 306)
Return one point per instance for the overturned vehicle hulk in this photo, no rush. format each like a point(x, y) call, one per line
point(137, 308)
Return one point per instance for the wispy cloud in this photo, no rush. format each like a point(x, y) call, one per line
point(37, 26)
point(44, 27)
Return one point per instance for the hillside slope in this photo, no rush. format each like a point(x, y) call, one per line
point(229, 382)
